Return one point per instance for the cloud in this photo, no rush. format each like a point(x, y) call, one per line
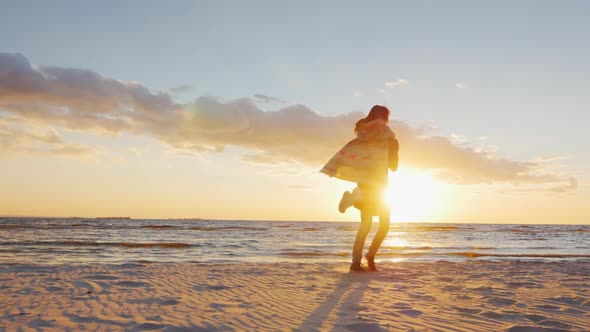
point(261, 158)
point(458, 139)
point(18, 139)
point(82, 100)
point(78, 99)
point(461, 85)
point(550, 159)
point(184, 88)
point(267, 99)
point(564, 185)
point(397, 83)
point(571, 184)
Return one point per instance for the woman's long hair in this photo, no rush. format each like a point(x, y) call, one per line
point(377, 112)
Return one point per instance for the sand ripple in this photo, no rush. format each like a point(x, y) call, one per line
point(441, 296)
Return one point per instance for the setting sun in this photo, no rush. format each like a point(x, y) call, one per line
point(413, 195)
point(294, 165)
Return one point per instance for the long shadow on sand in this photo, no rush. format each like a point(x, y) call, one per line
point(347, 292)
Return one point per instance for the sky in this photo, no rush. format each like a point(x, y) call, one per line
point(228, 109)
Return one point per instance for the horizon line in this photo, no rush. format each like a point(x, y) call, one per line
point(273, 220)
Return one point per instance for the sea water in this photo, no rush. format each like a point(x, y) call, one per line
point(121, 240)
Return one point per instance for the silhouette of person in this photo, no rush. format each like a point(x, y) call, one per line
point(366, 160)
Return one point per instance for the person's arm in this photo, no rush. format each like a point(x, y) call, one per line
point(393, 153)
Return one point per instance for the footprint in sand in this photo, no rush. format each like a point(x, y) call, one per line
point(129, 283)
point(101, 277)
point(365, 327)
point(170, 302)
point(467, 310)
point(88, 287)
point(411, 312)
point(547, 307)
point(218, 287)
point(148, 327)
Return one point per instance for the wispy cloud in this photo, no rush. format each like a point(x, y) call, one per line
point(570, 184)
point(396, 83)
point(458, 139)
point(184, 88)
point(461, 85)
point(267, 99)
point(21, 139)
point(82, 100)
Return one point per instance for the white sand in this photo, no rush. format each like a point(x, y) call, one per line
point(470, 296)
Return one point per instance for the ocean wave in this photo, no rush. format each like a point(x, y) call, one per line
point(99, 244)
point(435, 228)
point(57, 226)
point(12, 226)
point(470, 254)
point(475, 254)
point(313, 254)
point(407, 248)
point(158, 226)
point(465, 254)
point(228, 228)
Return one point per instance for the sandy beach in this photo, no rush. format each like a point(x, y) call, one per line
point(405, 296)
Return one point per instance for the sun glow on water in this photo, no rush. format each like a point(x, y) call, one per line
point(413, 195)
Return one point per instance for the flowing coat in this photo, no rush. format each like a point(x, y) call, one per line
point(366, 159)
